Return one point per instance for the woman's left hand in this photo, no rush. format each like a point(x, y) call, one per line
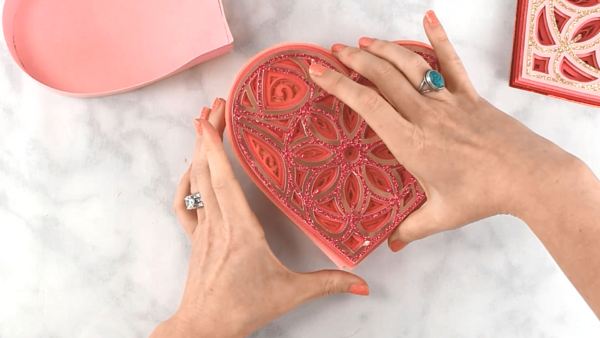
point(235, 284)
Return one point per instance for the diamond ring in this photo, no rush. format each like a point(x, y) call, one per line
point(194, 202)
point(433, 81)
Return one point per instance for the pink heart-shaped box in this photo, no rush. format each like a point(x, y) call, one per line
point(89, 48)
point(316, 158)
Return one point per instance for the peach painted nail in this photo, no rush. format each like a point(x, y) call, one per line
point(205, 113)
point(198, 126)
point(361, 289)
point(364, 42)
point(217, 104)
point(337, 47)
point(397, 246)
point(316, 69)
point(432, 18)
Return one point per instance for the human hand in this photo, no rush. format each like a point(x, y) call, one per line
point(235, 284)
point(472, 160)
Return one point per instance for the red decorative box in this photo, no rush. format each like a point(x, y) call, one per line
point(556, 49)
point(316, 158)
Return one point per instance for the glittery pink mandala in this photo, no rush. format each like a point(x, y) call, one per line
point(556, 49)
point(314, 157)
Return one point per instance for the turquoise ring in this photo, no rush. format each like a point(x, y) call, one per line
point(433, 81)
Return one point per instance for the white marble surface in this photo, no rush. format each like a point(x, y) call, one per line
point(89, 246)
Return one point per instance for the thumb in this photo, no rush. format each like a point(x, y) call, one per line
point(328, 282)
point(420, 224)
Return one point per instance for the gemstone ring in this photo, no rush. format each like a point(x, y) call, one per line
point(433, 81)
point(193, 202)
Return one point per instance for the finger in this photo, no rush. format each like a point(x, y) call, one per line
point(420, 224)
point(200, 177)
point(454, 72)
point(383, 74)
point(380, 115)
point(227, 190)
point(389, 79)
point(411, 64)
point(329, 282)
point(217, 116)
point(187, 218)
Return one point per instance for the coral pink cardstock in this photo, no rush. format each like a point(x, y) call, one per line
point(316, 158)
point(556, 49)
point(89, 48)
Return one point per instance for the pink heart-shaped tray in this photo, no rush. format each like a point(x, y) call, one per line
point(316, 158)
point(88, 48)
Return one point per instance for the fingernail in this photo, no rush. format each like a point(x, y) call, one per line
point(316, 69)
point(217, 104)
point(198, 126)
point(361, 289)
point(432, 18)
point(364, 42)
point(397, 246)
point(205, 113)
point(337, 47)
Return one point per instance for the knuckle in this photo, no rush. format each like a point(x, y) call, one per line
point(370, 99)
point(390, 48)
point(418, 140)
point(379, 45)
point(218, 183)
point(194, 178)
point(209, 223)
point(432, 114)
point(442, 39)
point(199, 169)
point(194, 175)
point(408, 236)
point(431, 111)
point(416, 62)
point(454, 59)
point(329, 288)
point(350, 54)
point(384, 69)
point(338, 82)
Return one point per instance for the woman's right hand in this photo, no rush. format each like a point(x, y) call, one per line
point(473, 160)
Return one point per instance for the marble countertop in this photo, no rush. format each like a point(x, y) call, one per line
point(89, 246)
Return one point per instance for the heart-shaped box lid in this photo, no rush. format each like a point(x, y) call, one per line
point(89, 48)
point(316, 158)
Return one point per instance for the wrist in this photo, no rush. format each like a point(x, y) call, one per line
point(559, 183)
point(191, 327)
point(189, 324)
point(173, 328)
